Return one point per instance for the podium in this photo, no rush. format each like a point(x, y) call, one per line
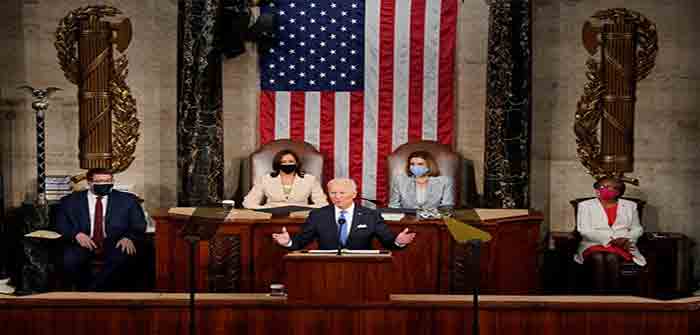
point(330, 278)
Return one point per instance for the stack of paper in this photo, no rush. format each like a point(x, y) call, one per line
point(344, 251)
point(358, 251)
point(188, 211)
point(4, 288)
point(219, 212)
point(485, 214)
point(393, 216)
point(299, 214)
point(247, 214)
point(58, 186)
point(44, 234)
point(496, 213)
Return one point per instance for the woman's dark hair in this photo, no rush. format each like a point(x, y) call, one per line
point(619, 185)
point(433, 170)
point(277, 162)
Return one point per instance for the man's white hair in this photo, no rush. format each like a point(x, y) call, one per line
point(344, 181)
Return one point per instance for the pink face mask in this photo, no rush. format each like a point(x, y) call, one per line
point(607, 193)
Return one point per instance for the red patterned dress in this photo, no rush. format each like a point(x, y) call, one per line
point(611, 212)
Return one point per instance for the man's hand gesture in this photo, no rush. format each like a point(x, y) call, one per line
point(282, 238)
point(405, 237)
point(85, 241)
point(126, 246)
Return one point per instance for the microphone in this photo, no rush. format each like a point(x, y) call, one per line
point(341, 224)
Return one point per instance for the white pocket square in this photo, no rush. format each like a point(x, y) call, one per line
point(361, 226)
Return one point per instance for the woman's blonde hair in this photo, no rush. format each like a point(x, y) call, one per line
point(433, 170)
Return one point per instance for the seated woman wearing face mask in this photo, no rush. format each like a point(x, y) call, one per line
point(422, 186)
point(286, 185)
point(609, 228)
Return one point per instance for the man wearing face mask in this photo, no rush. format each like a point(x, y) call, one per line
point(422, 186)
point(100, 222)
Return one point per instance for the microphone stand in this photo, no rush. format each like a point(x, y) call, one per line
point(341, 224)
point(193, 240)
point(476, 264)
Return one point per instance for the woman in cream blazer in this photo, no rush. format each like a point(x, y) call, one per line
point(287, 185)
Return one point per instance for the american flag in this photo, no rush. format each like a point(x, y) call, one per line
point(356, 79)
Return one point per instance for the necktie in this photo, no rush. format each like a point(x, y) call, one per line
point(98, 230)
point(344, 230)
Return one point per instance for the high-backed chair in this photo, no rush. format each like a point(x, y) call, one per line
point(447, 160)
point(261, 160)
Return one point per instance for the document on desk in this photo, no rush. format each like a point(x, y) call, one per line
point(323, 251)
point(44, 234)
point(358, 251)
point(299, 214)
point(393, 216)
point(345, 251)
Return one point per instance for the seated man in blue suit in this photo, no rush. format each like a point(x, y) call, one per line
point(99, 222)
point(359, 224)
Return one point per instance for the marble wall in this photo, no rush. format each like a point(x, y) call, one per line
point(667, 122)
point(667, 132)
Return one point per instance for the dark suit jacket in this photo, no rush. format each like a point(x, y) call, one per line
point(366, 225)
point(124, 217)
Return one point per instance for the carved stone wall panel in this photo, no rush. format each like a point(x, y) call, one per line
point(225, 263)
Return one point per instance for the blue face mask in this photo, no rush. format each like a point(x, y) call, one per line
point(418, 170)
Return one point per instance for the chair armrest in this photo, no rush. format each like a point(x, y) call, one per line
point(565, 241)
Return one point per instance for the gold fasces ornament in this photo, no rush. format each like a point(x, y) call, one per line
point(85, 44)
point(627, 43)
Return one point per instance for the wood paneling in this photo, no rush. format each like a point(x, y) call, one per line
point(135, 314)
point(434, 263)
point(338, 279)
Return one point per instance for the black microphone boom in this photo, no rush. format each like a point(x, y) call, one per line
point(239, 24)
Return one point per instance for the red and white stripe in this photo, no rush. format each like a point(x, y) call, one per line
point(407, 95)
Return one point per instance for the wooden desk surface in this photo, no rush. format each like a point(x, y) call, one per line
point(151, 313)
point(162, 213)
point(488, 302)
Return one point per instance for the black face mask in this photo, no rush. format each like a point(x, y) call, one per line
point(288, 168)
point(102, 189)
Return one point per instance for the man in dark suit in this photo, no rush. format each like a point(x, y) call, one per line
point(99, 222)
point(359, 224)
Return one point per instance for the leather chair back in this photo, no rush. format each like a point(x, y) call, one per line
point(261, 160)
point(447, 160)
